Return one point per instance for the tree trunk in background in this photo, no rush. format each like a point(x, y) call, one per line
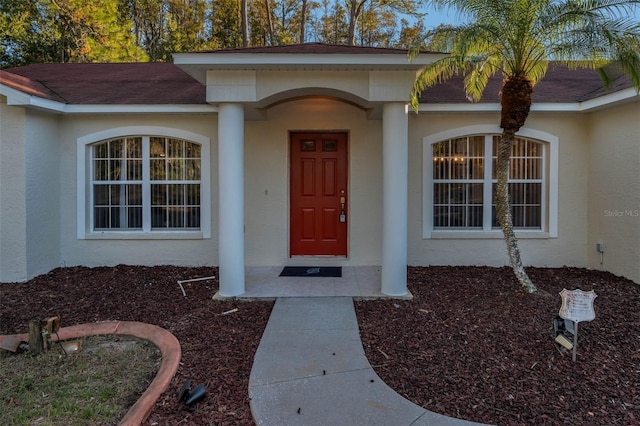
point(244, 23)
point(355, 10)
point(267, 7)
point(515, 103)
point(303, 20)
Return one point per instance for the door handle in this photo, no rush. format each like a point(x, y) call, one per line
point(343, 216)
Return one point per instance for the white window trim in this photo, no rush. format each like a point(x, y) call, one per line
point(549, 229)
point(83, 155)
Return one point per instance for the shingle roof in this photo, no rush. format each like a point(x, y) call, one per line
point(167, 84)
point(560, 85)
point(122, 83)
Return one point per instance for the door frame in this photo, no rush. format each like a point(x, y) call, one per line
point(316, 132)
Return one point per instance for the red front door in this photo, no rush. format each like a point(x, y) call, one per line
point(318, 191)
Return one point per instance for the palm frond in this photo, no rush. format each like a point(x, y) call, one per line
point(521, 37)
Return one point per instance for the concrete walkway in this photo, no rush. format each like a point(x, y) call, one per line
point(310, 369)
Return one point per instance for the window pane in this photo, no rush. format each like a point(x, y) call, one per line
point(534, 193)
point(116, 148)
point(101, 150)
point(533, 217)
point(101, 195)
point(192, 195)
point(134, 148)
point(134, 217)
point(476, 168)
point(534, 168)
point(175, 148)
point(134, 195)
point(458, 205)
point(329, 145)
point(158, 217)
point(440, 216)
point(192, 217)
point(158, 195)
point(115, 169)
point(101, 217)
point(157, 148)
point(134, 169)
point(175, 168)
point(115, 192)
point(175, 195)
point(526, 205)
point(440, 168)
point(192, 150)
point(158, 171)
point(475, 217)
point(176, 217)
point(476, 193)
point(100, 169)
point(192, 169)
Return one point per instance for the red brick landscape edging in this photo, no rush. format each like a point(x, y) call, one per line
point(165, 341)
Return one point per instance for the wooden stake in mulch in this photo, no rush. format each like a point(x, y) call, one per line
point(577, 306)
point(40, 332)
point(36, 339)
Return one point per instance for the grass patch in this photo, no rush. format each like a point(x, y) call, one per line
point(96, 385)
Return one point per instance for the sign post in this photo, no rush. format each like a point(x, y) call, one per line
point(577, 306)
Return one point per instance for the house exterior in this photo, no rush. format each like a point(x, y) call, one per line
point(306, 155)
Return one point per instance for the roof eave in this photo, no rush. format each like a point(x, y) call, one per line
point(20, 99)
point(620, 97)
point(197, 64)
point(365, 61)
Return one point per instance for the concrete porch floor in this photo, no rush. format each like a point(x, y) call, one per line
point(356, 281)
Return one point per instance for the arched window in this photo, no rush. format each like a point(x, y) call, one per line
point(144, 185)
point(460, 183)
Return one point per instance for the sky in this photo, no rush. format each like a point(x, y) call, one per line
point(437, 17)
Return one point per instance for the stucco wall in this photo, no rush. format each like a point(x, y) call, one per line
point(13, 183)
point(43, 192)
point(614, 190)
point(598, 164)
point(100, 252)
point(267, 180)
point(569, 248)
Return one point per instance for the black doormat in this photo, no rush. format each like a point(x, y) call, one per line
point(311, 271)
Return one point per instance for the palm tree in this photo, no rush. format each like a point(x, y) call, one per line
point(519, 39)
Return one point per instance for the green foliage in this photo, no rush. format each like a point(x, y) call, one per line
point(137, 30)
point(63, 31)
point(519, 38)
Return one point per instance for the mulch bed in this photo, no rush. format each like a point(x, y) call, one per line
point(217, 350)
point(470, 344)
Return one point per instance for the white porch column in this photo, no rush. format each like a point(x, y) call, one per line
point(231, 199)
point(395, 154)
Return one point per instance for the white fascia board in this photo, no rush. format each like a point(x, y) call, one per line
point(602, 101)
point(453, 107)
point(139, 109)
point(20, 99)
point(469, 107)
point(301, 59)
point(612, 98)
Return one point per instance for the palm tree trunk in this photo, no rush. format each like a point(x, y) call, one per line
point(503, 210)
point(515, 103)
